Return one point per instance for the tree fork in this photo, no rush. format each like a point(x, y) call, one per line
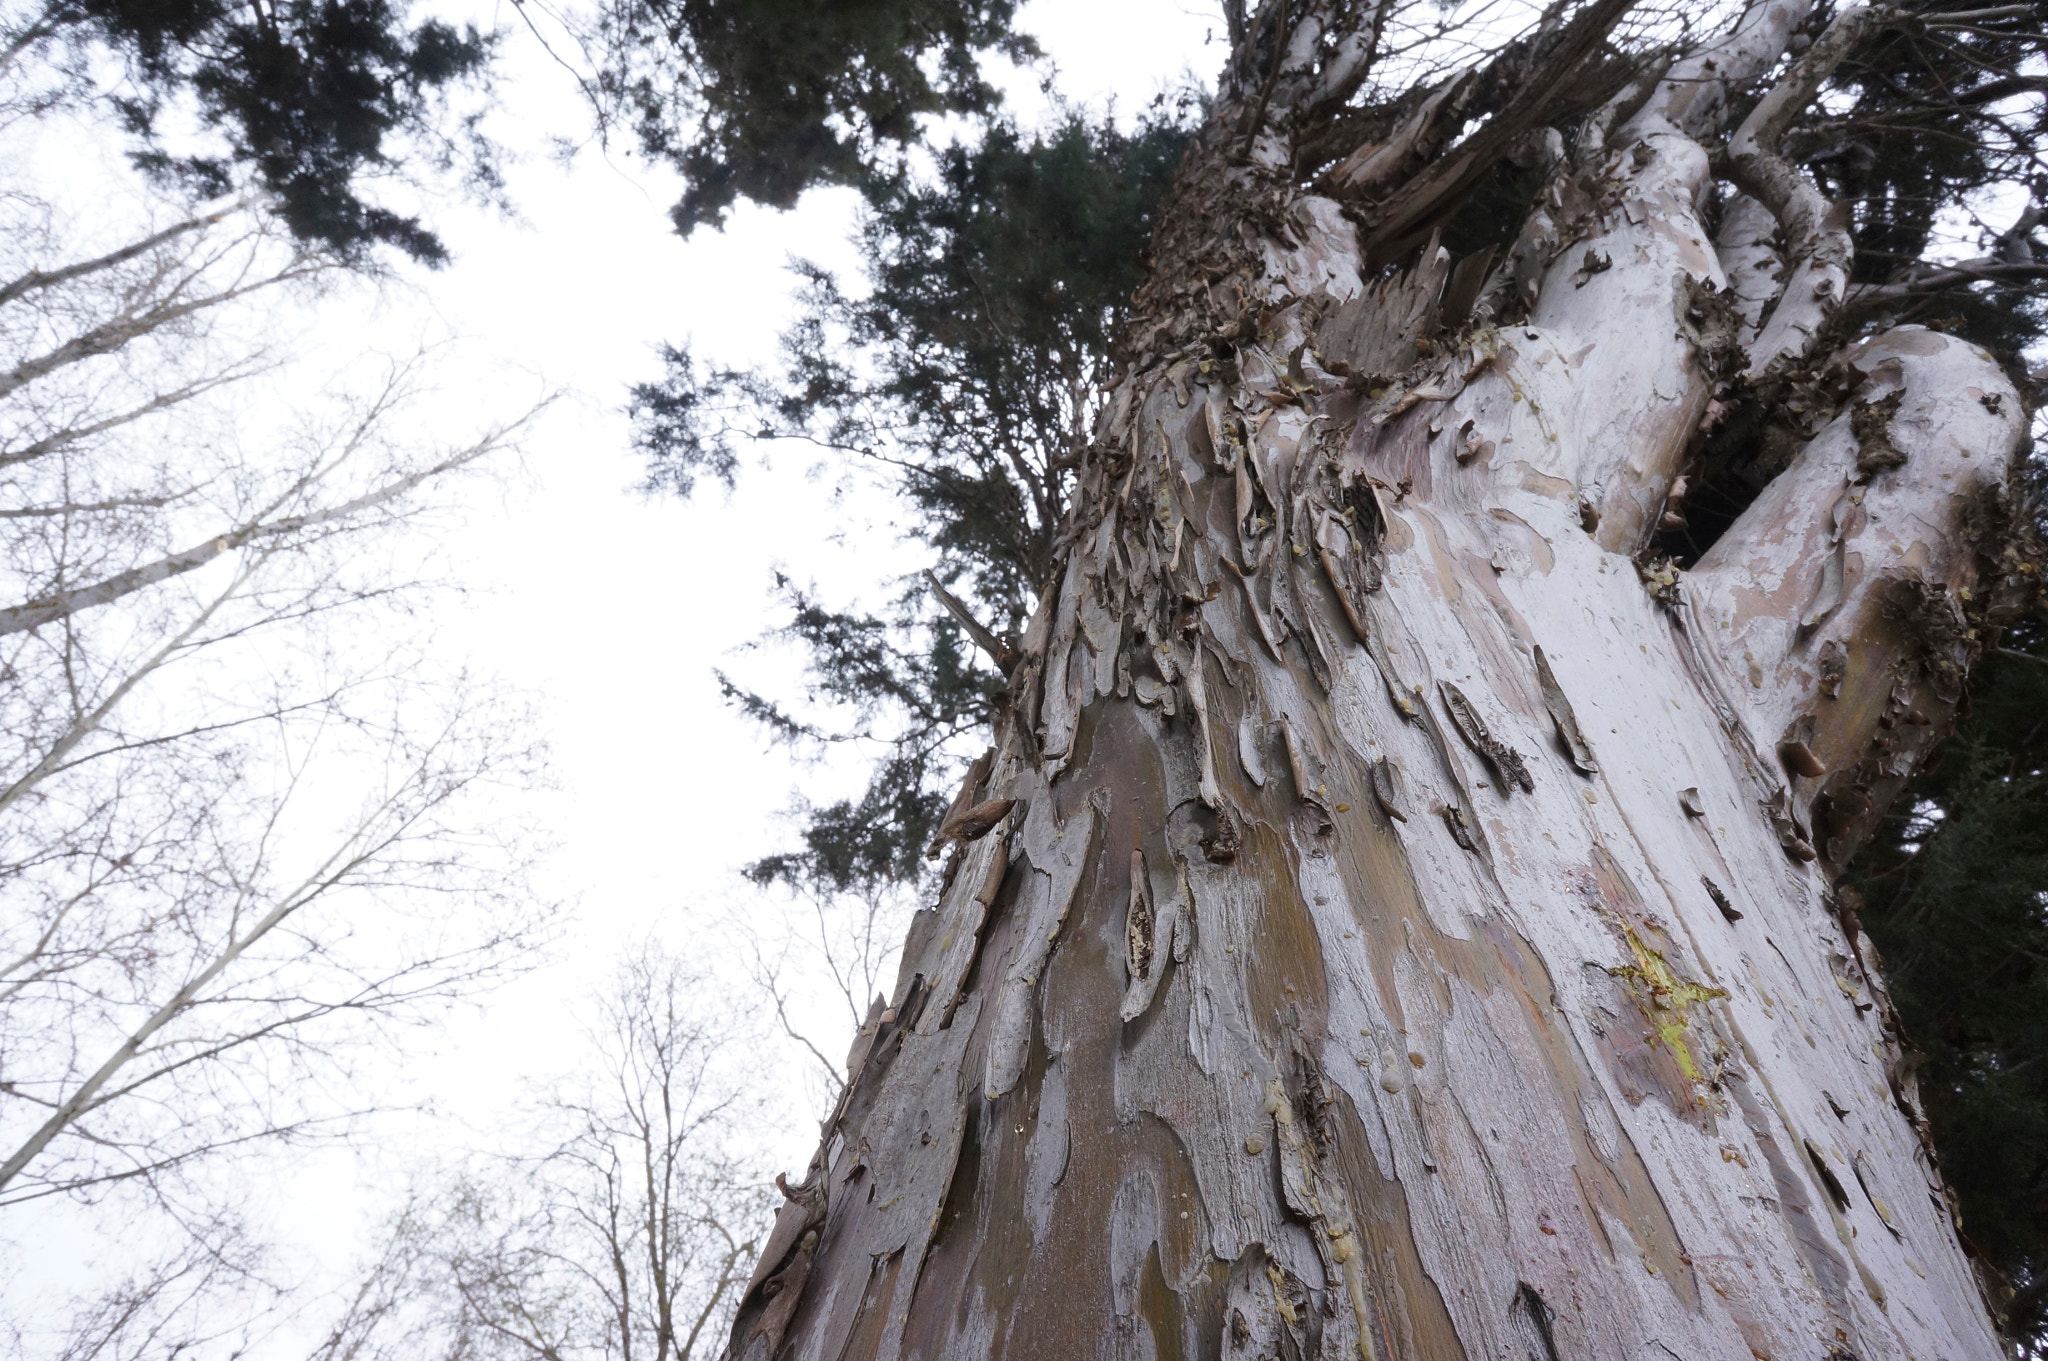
point(1347, 978)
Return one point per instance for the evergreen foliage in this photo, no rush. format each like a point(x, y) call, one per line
point(912, 688)
point(760, 99)
point(1923, 121)
point(312, 98)
point(1955, 896)
point(969, 374)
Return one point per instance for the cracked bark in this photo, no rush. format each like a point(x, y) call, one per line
point(1585, 1065)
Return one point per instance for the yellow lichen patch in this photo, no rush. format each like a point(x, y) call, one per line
point(1664, 997)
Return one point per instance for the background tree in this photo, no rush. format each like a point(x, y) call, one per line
point(245, 826)
point(815, 966)
point(310, 102)
point(762, 101)
point(167, 1304)
point(1644, 286)
point(176, 992)
point(622, 1226)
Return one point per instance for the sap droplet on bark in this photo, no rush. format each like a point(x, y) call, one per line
point(1393, 1070)
point(1665, 579)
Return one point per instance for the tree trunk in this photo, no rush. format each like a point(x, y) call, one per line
point(1412, 936)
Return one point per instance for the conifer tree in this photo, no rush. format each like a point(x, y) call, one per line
point(1549, 493)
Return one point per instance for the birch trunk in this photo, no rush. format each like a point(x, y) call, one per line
point(1394, 922)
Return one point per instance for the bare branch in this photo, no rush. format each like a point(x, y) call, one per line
point(38, 279)
point(1817, 244)
point(72, 435)
point(117, 334)
point(36, 613)
point(998, 652)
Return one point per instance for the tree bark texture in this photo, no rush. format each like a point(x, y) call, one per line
point(1394, 921)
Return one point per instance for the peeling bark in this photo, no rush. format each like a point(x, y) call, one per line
point(1583, 1065)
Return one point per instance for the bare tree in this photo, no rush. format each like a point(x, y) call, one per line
point(248, 819)
point(1395, 918)
point(624, 1224)
point(814, 960)
point(157, 1308)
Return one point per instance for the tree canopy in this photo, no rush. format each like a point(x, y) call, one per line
point(314, 102)
point(308, 101)
point(761, 99)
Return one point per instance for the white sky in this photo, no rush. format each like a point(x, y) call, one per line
point(611, 608)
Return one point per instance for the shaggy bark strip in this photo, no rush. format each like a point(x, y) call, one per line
point(1580, 1064)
